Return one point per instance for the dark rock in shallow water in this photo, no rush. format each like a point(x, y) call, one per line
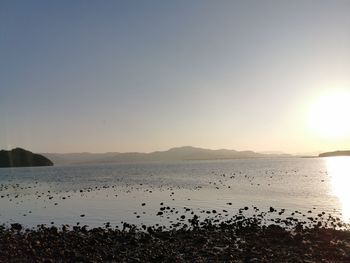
point(21, 158)
point(16, 226)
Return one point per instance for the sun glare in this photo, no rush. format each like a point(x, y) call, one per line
point(329, 115)
point(339, 170)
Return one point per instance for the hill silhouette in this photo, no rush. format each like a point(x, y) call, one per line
point(335, 153)
point(19, 157)
point(173, 154)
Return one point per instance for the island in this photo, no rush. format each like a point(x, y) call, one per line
point(19, 157)
point(335, 153)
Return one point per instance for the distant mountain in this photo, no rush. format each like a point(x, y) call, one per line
point(21, 158)
point(336, 153)
point(307, 154)
point(278, 153)
point(77, 158)
point(173, 154)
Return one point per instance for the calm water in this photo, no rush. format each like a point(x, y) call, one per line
point(134, 192)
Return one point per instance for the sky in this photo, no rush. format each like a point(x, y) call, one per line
point(102, 76)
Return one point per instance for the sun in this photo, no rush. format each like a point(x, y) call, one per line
point(330, 115)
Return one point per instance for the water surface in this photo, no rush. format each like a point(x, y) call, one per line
point(134, 193)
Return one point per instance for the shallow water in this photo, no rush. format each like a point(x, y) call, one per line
point(95, 194)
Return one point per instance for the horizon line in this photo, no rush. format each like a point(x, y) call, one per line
point(178, 147)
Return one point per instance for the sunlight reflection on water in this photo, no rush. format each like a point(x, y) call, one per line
point(339, 171)
point(114, 193)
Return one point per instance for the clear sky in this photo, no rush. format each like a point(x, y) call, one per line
point(149, 75)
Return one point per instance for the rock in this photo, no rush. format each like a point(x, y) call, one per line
point(16, 226)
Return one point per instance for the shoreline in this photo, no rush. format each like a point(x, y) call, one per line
point(238, 239)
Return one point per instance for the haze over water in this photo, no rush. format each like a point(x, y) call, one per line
point(133, 193)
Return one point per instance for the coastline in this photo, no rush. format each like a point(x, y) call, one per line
point(238, 239)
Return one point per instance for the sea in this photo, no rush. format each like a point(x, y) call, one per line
point(161, 193)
